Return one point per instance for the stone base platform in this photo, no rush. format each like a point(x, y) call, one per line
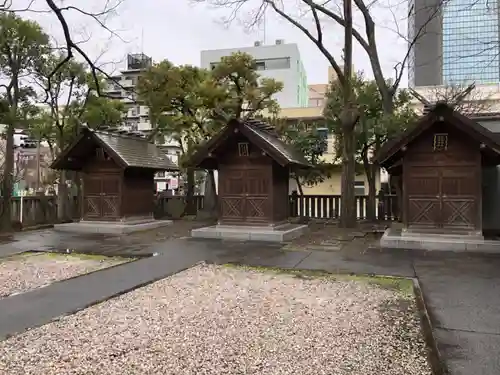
point(107, 227)
point(396, 239)
point(280, 233)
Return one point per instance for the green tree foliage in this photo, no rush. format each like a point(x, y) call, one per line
point(22, 46)
point(72, 100)
point(246, 94)
point(189, 104)
point(310, 141)
point(375, 126)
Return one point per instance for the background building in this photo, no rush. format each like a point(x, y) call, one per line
point(470, 41)
point(459, 42)
point(136, 117)
point(425, 61)
point(280, 61)
point(122, 87)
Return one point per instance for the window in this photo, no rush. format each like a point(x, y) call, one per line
point(213, 65)
point(160, 174)
point(281, 63)
point(323, 136)
point(243, 149)
point(440, 142)
point(316, 102)
point(260, 65)
point(359, 188)
point(99, 153)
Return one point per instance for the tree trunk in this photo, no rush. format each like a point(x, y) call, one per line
point(6, 218)
point(62, 190)
point(62, 198)
point(299, 186)
point(190, 203)
point(210, 209)
point(370, 171)
point(349, 119)
point(347, 196)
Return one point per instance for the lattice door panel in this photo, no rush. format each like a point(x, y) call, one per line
point(424, 211)
point(233, 207)
point(92, 207)
point(458, 212)
point(256, 208)
point(110, 206)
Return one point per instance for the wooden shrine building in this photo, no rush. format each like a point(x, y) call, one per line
point(440, 161)
point(118, 174)
point(253, 166)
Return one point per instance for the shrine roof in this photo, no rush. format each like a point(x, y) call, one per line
point(262, 135)
point(129, 151)
point(441, 113)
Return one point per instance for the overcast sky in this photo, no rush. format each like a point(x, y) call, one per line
point(178, 31)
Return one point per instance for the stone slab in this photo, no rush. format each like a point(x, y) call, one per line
point(435, 242)
point(249, 233)
point(110, 228)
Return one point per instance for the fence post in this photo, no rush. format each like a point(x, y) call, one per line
point(381, 205)
point(21, 208)
point(293, 206)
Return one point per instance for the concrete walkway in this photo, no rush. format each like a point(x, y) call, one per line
point(40, 306)
point(462, 291)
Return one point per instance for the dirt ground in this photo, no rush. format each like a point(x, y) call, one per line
point(329, 237)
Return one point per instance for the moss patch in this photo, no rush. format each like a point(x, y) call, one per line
point(397, 284)
point(88, 257)
point(56, 256)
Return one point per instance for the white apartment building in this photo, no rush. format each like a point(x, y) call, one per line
point(122, 87)
point(280, 61)
point(136, 117)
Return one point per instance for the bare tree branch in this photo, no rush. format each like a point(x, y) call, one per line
point(466, 99)
point(71, 46)
point(366, 38)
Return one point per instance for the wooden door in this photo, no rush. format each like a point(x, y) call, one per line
point(257, 191)
point(442, 197)
point(422, 187)
point(232, 195)
point(110, 197)
point(92, 200)
point(101, 197)
point(244, 195)
point(459, 197)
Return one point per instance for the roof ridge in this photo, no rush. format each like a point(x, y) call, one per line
point(263, 126)
point(123, 134)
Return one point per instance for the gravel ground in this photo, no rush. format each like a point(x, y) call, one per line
point(26, 272)
point(222, 320)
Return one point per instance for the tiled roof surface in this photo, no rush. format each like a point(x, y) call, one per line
point(135, 151)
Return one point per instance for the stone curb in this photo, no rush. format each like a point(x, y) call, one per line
point(438, 365)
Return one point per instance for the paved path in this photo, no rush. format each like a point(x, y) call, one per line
point(40, 306)
point(463, 292)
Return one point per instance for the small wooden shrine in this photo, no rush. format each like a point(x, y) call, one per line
point(118, 174)
point(253, 173)
point(440, 162)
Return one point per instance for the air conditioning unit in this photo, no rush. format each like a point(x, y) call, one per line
point(258, 43)
point(280, 41)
